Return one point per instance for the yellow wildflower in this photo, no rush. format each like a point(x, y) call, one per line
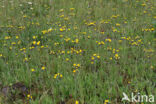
point(32, 70)
point(67, 59)
point(106, 101)
point(98, 57)
point(34, 37)
point(17, 37)
point(116, 56)
point(76, 102)
point(72, 9)
point(34, 42)
point(117, 24)
point(61, 75)
point(38, 43)
point(43, 67)
point(1, 55)
point(29, 96)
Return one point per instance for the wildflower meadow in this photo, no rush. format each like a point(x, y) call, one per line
point(77, 51)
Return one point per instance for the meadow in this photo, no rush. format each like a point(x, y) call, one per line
point(76, 51)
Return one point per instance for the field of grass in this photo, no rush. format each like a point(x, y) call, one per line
point(76, 51)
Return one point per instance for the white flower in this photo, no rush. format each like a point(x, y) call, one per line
point(30, 3)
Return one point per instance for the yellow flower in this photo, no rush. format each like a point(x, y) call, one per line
point(143, 4)
point(42, 46)
point(98, 57)
point(17, 37)
point(145, 11)
point(1, 55)
point(63, 52)
point(31, 47)
point(24, 16)
point(7, 37)
point(72, 9)
point(78, 65)
point(117, 50)
point(38, 43)
point(61, 10)
point(61, 36)
point(152, 29)
point(61, 29)
point(92, 62)
point(106, 101)
point(21, 27)
point(58, 75)
point(74, 71)
point(44, 31)
point(34, 42)
point(67, 59)
point(29, 96)
point(94, 54)
point(34, 37)
point(120, 41)
point(102, 43)
point(56, 43)
point(117, 24)
point(32, 70)
point(66, 18)
point(25, 59)
point(113, 50)
point(49, 30)
point(80, 50)
point(13, 43)
point(55, 76)
point(19, 42)
point(91, 24)
point(67, 39)
point(88, 37)
point(43, 68)
point(102, 32)
point(61, 15)
point(108, 40)
point(77, 41)
point(99, 43)
point(115, 30)
point(68, 52)
point(92, 58)
point(76, 102)
point(61, 75)
point(116, 56)
point(74, 64)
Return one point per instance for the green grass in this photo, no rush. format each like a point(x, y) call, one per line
point(100, 48)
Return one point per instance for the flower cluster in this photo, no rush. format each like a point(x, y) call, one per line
point(29, 97)
point(116, 56)
point(100, 42)
point(106, 102)
point(94, 58)
point(58, 75)
point(76, 67)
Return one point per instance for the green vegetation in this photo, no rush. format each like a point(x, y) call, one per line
point(76, 51)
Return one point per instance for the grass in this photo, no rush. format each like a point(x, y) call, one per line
point(76, 51)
